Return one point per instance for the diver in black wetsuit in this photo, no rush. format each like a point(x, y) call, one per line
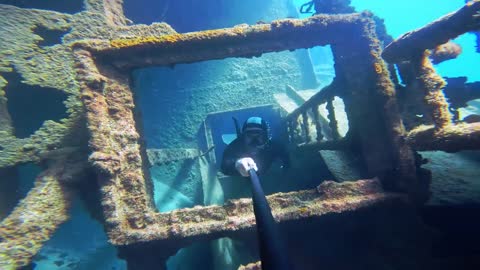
point(253, 148)
point(251, 151)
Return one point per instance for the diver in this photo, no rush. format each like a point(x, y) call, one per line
point(253, 149)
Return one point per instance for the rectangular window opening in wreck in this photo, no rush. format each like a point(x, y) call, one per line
point(187, 110)
point(119, 152)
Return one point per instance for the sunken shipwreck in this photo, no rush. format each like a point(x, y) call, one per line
point(117, 117)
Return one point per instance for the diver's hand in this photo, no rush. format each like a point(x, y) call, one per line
point(243, 165)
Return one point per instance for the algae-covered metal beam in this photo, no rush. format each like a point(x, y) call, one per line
point(38, 215)
point(121, 166)
point(203, 223)
point(438, 32)
point(432, 84)
point(452, 138)
point(166, 233)
point(239, 41)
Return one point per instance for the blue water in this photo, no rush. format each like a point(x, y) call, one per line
point(403, 16)
point(177, 104)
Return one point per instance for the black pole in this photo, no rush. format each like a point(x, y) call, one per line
point(272, 251)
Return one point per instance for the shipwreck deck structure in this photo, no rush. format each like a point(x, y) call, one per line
point(146, 237)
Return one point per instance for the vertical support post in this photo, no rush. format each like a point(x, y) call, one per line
point(332, 119)
point(297, 130)
point(372, 102)
point(318, 125)
point(290, 130)
point(306, 126)
point(433, 86)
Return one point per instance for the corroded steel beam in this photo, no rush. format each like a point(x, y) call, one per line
point(436, 33)
point(38, 215)
point(116, 150)
point(452, 138)
point(431, 84)
point(203, 223)
point(239, 41)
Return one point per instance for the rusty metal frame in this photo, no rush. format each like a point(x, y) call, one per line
point(423, 81)
point(103, 71)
